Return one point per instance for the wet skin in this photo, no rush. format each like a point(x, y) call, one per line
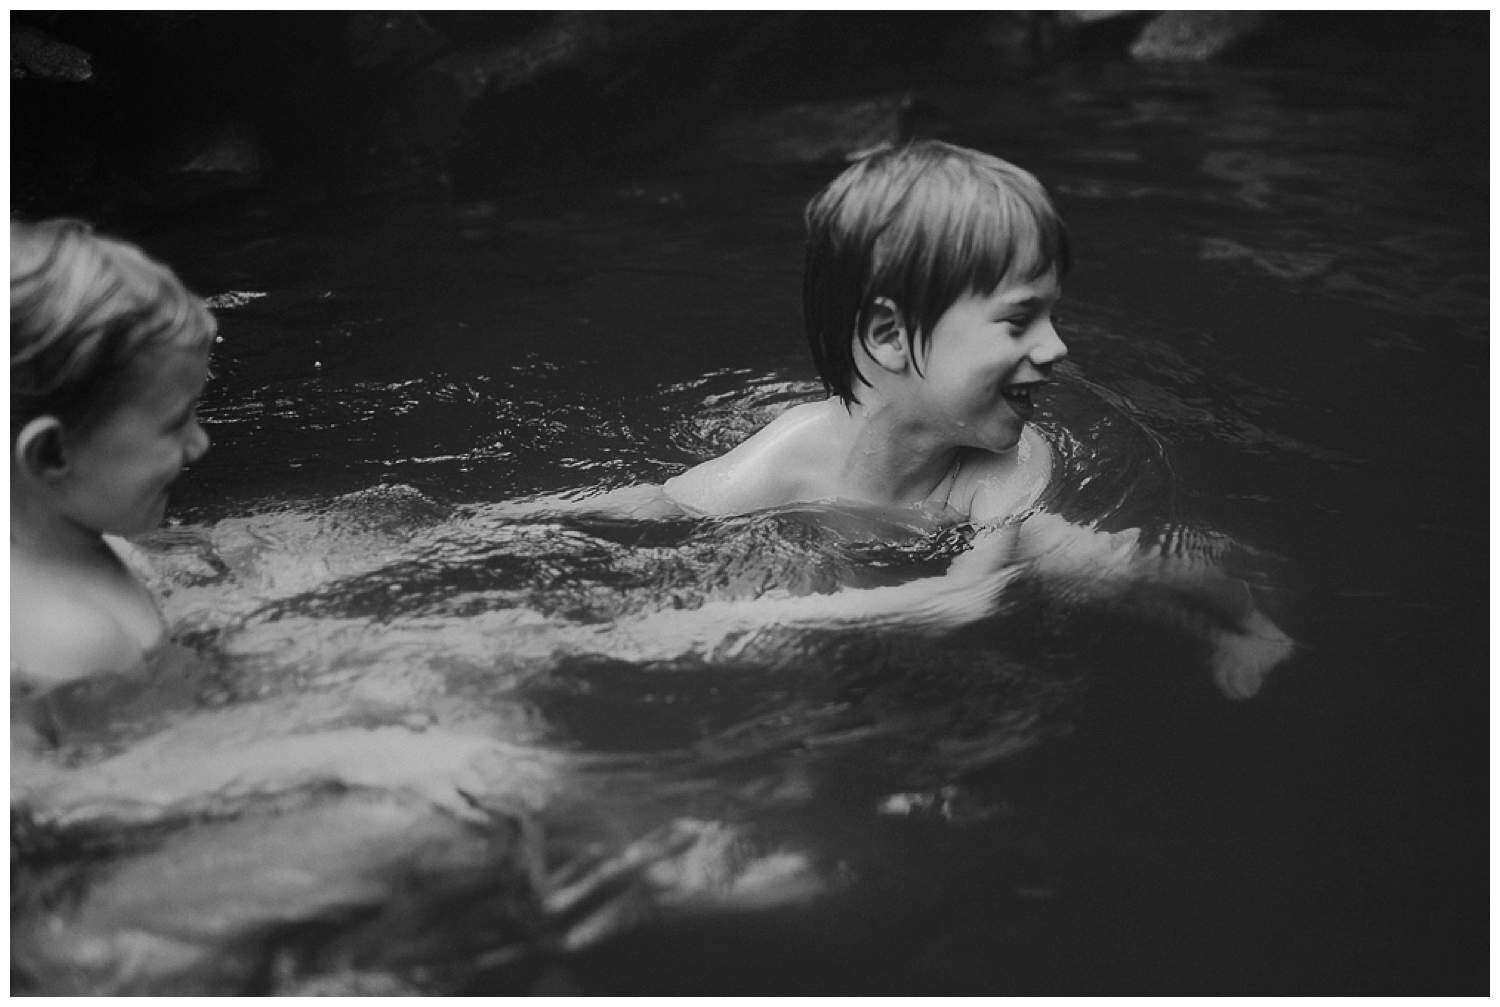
point(77, 608)
point(984, 357)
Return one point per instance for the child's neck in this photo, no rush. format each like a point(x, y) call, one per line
point(890, 460)
point(43, 534)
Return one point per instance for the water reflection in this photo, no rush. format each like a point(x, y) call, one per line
point(373, 680)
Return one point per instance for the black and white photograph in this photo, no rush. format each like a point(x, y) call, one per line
point(750, 503)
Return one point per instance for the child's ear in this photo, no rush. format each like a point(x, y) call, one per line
point(39, 452)
point(885, 335)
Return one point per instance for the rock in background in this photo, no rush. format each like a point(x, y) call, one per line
point(117, 113)
point(1197, 35)
point(34, 53)
point(164, 111)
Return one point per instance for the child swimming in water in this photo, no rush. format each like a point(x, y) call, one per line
point(930, 279)
point(931, 275)
point(108, 357)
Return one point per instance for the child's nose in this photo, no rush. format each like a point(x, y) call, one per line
point(1049, 347)
point(197, 444)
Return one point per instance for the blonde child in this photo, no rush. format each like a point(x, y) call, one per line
point(108, 357)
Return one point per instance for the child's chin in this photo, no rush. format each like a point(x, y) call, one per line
point(1000, 441)
point(140, 524)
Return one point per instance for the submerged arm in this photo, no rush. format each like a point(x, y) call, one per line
point(1099, 565)
point(1083, 562)
point(971, 589)
point(627, 503)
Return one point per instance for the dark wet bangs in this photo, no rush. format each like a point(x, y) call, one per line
point(968, 235)
point(1016, 236)
point(992, 234)
point(923, 226)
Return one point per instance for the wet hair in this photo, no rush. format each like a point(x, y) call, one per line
point(922, 225)
point(83, 307)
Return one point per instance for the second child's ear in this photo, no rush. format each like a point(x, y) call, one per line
point(39, 451)
point(885, 335)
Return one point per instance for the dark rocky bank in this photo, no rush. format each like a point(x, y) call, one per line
point(117, 113)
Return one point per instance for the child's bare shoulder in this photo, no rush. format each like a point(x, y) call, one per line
point(70, 620)
point(993, 486)
point(57, 637)
point(770, 467)
point(796, 433)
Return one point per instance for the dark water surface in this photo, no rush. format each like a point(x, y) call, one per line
point(1278, 326)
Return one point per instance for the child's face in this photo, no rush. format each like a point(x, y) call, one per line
point(120, 468)
point(985, 356)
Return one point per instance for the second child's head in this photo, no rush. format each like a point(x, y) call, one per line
point(108, 356)
point(913, 230)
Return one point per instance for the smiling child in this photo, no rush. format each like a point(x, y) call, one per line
point(930, 279)
point(108, 357)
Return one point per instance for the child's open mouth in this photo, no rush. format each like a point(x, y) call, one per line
point(1019, 396)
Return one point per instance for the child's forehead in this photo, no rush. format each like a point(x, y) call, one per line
point(1042, 289)
point(167, 364)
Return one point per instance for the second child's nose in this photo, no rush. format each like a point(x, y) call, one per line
point(197, 443)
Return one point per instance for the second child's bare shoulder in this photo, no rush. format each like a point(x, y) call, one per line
point(56, 636)
point(70, 620)
point(771, 467)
